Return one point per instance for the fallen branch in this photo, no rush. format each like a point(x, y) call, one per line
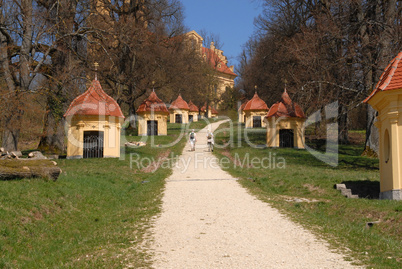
point(18, 169)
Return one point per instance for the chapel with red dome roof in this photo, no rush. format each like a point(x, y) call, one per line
point(152, 116)
point(212, 112)
point(254, 112)
point(285, 124)
point(94, 122)
point(386, 98)
point(179, 111)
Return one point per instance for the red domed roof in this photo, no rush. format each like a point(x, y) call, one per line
point(94, 102)
point(193, 108)
point(391, 79)
point(179, 103)
point(204, 109)
point(152, 103)
point(241, 108)
point(286, 108)
point(256, 103)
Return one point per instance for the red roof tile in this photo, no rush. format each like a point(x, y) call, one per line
point(193, 108)
point(179, 103)
point(153, 103)
point(213, 110)
point(256, 103)
point(391, 78)
point(94, 101)
point(216, 63)
point(286, 108)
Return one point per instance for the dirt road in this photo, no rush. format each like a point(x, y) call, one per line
point(209, 221)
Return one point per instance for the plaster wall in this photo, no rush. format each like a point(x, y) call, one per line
point(295, 124)
point(184, 115)
point(144, 117)
point(249, 117)
point(194, 114)
point(78, 124)
point(389, 122)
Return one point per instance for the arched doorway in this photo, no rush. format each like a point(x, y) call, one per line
point(178, 118)
point(286, 138)
point(256, 121)
point(152, 127)
point(93, 144)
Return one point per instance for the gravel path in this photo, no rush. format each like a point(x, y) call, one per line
point(209, 221)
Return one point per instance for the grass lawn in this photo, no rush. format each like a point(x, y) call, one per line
point(94, 216)
point(302, 187)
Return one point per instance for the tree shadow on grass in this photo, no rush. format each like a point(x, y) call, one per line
point(364, 188)
point(359, 162)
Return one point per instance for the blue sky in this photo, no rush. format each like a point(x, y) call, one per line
point(231, 20)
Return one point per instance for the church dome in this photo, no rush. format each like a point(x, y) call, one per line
point(286, 108)
point(94, 101)
point(152, 103)
point(256, 103)
point(179, 103)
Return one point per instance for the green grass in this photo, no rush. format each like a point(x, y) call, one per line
point(340, 220)
point(96, 214)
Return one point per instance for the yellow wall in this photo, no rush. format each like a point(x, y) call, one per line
point(174, 112)
point(296, 124)
point(144, 117)
point(389, 122)
point(249, 117)
point(195, 115)
point(77, 125)
point(241, 116)
point(209, 114)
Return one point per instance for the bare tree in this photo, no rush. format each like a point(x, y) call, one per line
point(327, 50)
point(66, 21)
point(20, 60)
point(140, 45)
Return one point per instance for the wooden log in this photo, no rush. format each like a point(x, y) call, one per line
point(51, 173)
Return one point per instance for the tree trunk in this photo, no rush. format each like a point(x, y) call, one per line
point(10, 139)
point(52, 140)
point(132, 116)
point(343, 135)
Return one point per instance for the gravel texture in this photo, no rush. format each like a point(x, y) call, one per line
point(209, 221)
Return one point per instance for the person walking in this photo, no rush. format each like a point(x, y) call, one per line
point(192, 139)
point(210, 140)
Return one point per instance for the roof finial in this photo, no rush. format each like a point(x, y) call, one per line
point(153, 85)
point(255, 88)
point(96, 69)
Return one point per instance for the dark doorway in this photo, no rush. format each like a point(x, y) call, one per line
point(152, 127)
point(256, 121)
point(178, 118)
point(93, 144)
point(190, 118)
point(286, 138)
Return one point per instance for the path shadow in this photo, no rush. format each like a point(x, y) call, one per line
point(364, 188)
